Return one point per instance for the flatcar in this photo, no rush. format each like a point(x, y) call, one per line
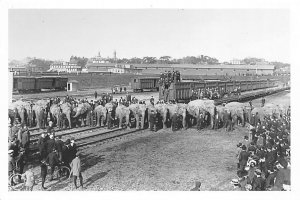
point(140, 84)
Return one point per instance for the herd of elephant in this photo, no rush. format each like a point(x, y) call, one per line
point(84, 111)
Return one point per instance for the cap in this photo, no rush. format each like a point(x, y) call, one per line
point(10, 151)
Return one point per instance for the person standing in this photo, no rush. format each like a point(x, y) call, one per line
point(174, 122)
point(76, 170)
point(109, 119)
point(42, 144)
point(43, 173)
point(25, 140)
point(28, 176)
point(95, 94)
point(72, 149)
point(53, 161)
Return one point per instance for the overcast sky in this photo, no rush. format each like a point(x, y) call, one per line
point(223, 34)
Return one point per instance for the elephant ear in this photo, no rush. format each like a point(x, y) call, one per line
point(19, 105)
point(42, 103)
point(54, 109)
point(66, 107)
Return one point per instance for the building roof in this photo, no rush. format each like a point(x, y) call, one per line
point(193, 66)
point(73, 81)
point(100, 65)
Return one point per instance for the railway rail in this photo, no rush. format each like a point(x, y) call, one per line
point(90, 136)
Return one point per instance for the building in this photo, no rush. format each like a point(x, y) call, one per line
point(65, 67)
point(16, 70)
point(191, 69)
point(235, 62)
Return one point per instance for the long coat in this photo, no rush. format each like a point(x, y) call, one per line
point(76, 166)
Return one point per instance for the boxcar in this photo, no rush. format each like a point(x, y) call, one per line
point(139, 84)
point(60, 83)
point(24, 84)
point(44, 83)
point(181, 91)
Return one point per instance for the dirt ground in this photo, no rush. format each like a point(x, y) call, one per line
point(163, 160)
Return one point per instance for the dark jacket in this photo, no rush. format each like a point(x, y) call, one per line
point(59, 145)
point(243, 157)
point(50, 145)
point(72, 151)
point(52, 159)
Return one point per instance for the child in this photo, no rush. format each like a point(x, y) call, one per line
point(28, 176)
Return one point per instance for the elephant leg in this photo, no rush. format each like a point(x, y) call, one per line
point(183, 121)
point(137, 121)
point(127, 121)
point(98, 119)
point(211, 121)
point(82, 121)
point(243, 121)
point(69, 120)
point(120, 121)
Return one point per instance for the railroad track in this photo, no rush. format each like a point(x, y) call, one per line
point(92, 136)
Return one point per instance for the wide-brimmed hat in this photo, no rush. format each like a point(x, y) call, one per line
point(10, 151)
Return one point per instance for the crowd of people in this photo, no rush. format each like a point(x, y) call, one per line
point(213, 93)
point(263, 157)
point(168, 77)
point(53, 153)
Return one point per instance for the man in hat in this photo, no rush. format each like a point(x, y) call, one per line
point(42, 145)
point(66, 152)
point(49, 128)
point(59, 146)
point(50, 143)
point(53, 161)
point(44, 171)
point(72, 149)
point(258, 181)
point(280, 175)
point(197, 186)
point(243, 158)
point(174, 121)
point(152, 120)
point(76, 170)
point(109, 118)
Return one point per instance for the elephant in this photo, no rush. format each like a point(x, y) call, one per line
point(67, 109)
point(237, 110)
point(179, 108)
point(221, 111)
point(55, 111)
point(100, 112)
point(138, 110)
point(121, 112)
point(19, 109)
point(268, 110)
point(198, 106)
point(83, 111)
point(39, 108)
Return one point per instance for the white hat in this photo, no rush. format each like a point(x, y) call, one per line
point(10, 151)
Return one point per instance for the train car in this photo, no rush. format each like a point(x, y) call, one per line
point(139, 84)
point(60, 83)
point(230, 86)
point(209, 84)
point(23, 84)
point(222, 86)
point(180, 91)
point(43, 83)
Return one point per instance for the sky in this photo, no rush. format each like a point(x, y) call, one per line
point(225, 34)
